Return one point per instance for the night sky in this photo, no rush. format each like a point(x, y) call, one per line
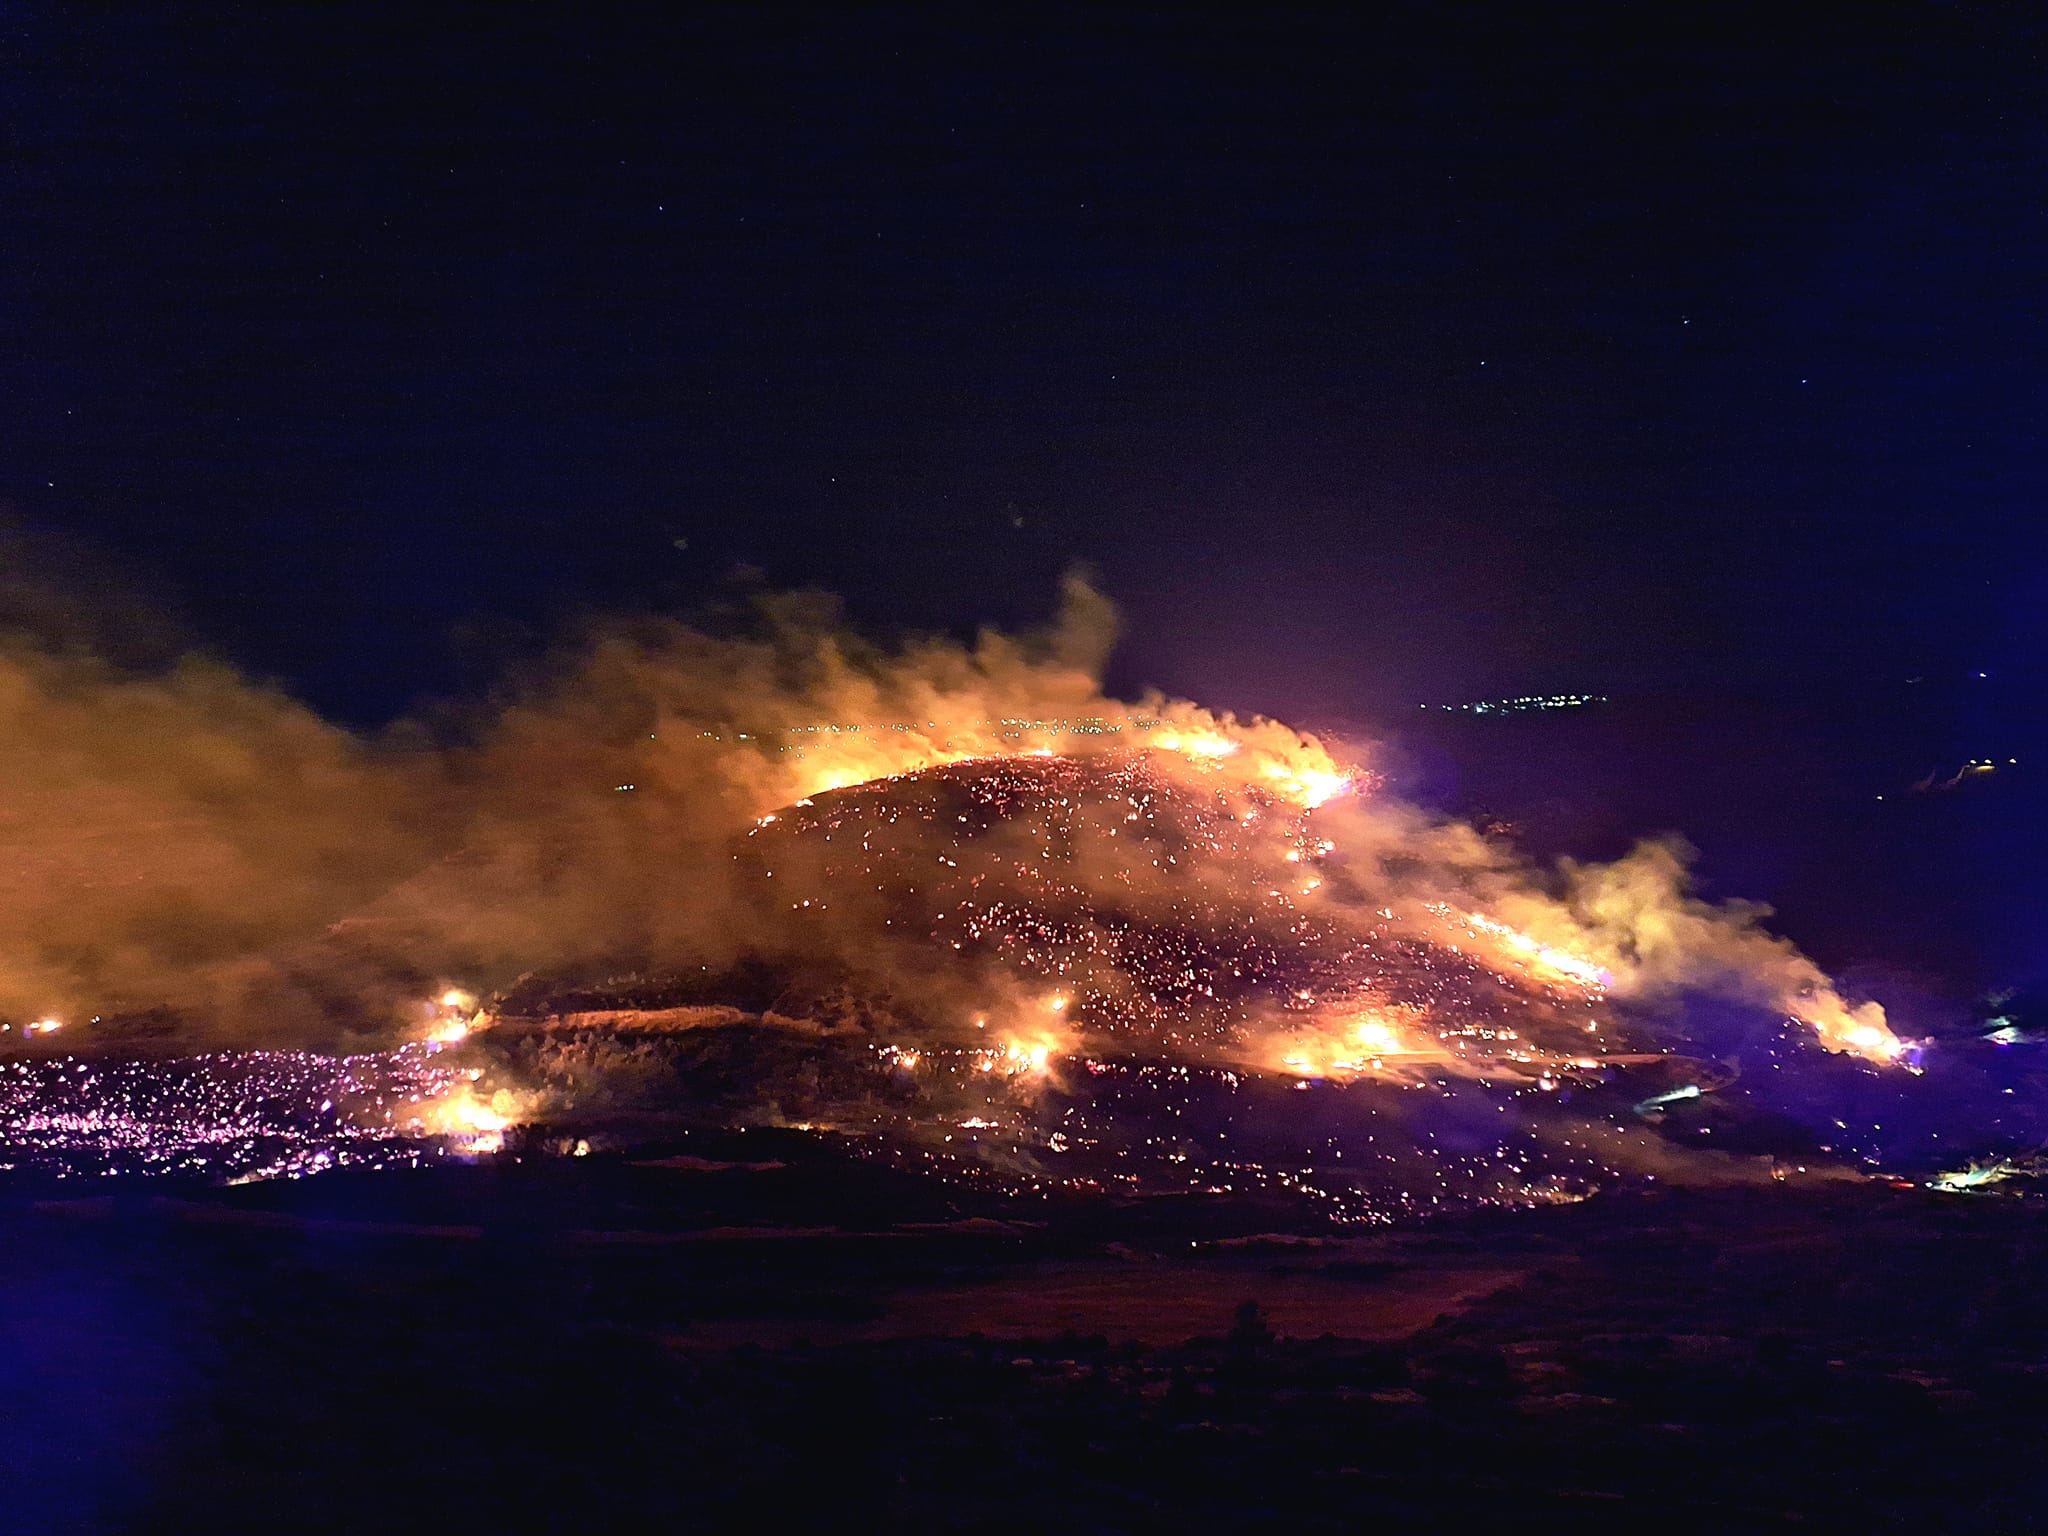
point(1367, 359)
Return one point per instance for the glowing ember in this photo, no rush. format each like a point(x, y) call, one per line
point(242, 1115)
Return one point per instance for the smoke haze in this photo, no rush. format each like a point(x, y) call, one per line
point(175, 834)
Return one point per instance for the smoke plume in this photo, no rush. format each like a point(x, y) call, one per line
point(176, 835)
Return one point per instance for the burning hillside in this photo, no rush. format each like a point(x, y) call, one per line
point(1118, 971)
point(954, 899)
point(1146, 902)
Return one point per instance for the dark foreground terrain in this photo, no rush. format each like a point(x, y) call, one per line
point(753, 1332)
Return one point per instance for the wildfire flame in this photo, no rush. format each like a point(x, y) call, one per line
point(476, 1125)
point(1290, 765)
point(1546, 958)
point(1356, 1043)
point(1017, 1058)
point(453, 1017)
point(1859, 1031)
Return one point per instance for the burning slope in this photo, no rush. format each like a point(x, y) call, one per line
point(188, 839)
point(1131, 972)
point(1149, 901)
point(1104, 968)
point(1204, 914)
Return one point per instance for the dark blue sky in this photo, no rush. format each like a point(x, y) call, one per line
point(1368, 360)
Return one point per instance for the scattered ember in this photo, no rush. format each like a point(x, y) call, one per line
point(236, 1116)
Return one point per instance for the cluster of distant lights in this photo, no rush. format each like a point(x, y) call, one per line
point(1973, 767)
point(1524, 704)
